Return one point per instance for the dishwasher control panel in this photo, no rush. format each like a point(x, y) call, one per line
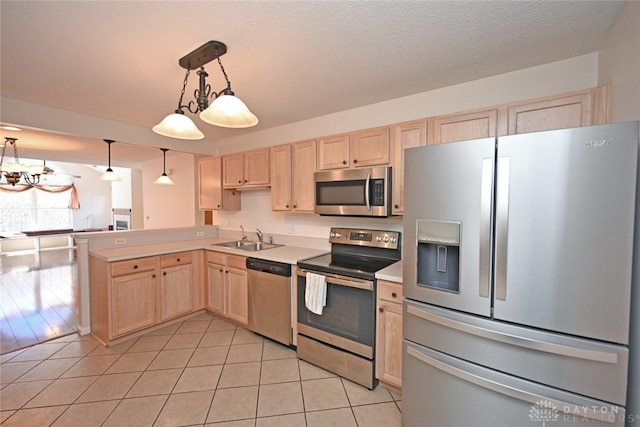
point(271, 267)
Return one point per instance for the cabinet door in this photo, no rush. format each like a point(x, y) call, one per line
point(460, 127)
point(281, 178)
point(133, 302)
point(303, 168)
point(389, 343)
point(176, 291)
point(237, 295)
point(256, 167)
point(233, 170)
point(549, 114)
point(405, 135)
point(210, 176)
point(215, 288)
point(370, 147)
point(333, 152)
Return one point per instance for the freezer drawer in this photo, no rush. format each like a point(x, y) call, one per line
point(581, 366)
point(470, 395)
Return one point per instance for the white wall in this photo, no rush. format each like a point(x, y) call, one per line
point(549, 79)
point(619, 64)
point(168, 206)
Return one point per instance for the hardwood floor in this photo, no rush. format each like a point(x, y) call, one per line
point(38, 297)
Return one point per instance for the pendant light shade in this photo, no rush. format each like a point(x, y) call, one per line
point(177, 125)
point(109, 174)
point(164, 178)
point(225, 109)
point(230, 112)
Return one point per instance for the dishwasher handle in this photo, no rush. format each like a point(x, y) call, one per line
point(270, 267)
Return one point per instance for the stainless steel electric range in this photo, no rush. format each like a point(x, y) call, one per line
point(342, 338)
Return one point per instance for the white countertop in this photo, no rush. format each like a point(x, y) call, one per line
point(393, 273)
point(287, 254)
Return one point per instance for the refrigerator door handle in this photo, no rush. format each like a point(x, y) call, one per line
point(502, 227)
point(591, 412)
point(486, 188)
point(520, 341)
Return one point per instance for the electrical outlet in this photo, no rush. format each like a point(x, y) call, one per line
point(121, 241)
point(291, 229)
point(200, 233)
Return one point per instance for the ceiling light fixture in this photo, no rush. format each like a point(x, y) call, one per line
point(225, 110)
point(164, 178)
point(109, 174)
point(14, 171)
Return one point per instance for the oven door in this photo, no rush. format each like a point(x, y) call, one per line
point(348, 319)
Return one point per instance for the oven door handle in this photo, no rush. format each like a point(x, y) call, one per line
point(366, 285)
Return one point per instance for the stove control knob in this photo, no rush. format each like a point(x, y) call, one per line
point(338, 235)
point(332, 235)
point(386, 239)
point(379, 238)
point(394, 240)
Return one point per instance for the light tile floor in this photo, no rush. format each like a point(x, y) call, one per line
point(203, 371)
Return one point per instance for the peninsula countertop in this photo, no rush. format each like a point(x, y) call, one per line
point(287, 254)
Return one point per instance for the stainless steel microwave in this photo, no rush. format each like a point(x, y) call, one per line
point(354, 192)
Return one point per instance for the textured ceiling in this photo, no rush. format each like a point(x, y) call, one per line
point(288, 60)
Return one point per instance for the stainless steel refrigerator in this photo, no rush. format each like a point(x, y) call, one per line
point(518, 260)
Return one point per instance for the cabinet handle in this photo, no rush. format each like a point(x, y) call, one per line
point(221, 270)
point(135, 267)
point(295, 206)
point(178, 260)
point(355, 160)
point(286, 206)
point(164, 273)
point(344, 162)
point(246, 180)
point(153, 276)
point(239, 181)
point(218, 205)
point(381, 310)
point(396, 206)
point(394, 295)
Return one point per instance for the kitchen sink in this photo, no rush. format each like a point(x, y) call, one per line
point(248, 245)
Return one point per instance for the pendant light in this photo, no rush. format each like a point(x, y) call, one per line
point(109, 174)
point(164, 178)
point(226, 110)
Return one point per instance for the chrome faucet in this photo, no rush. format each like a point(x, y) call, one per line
point(244, 236)
point(259, 233)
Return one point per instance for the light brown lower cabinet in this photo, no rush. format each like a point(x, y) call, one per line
point(389, 334)
point(132, 295)
point(228, 286)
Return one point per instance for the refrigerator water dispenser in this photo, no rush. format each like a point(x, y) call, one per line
point(439, 254)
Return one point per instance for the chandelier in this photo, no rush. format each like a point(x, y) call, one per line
point(225, 110)
point(14, 171)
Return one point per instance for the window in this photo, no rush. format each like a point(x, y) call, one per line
point(34, 210)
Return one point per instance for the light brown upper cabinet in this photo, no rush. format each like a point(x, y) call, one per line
point(583, 108)
point(370, 147)
point(281, 178)
point(246, 169)
point(463, 126)
point(333, 152)
point(405, 135)
point(303, 168)
point(212, 196)
point(292, 168)
point(364, 148)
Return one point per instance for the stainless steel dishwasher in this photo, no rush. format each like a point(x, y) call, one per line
point(270, 299)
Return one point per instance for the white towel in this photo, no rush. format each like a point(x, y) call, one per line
point(315, 293)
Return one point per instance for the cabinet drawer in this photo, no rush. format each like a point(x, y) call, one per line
point(390, 291)
point(216, 257)
point(179, 258)
point(132, 266)
point(236, 261)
